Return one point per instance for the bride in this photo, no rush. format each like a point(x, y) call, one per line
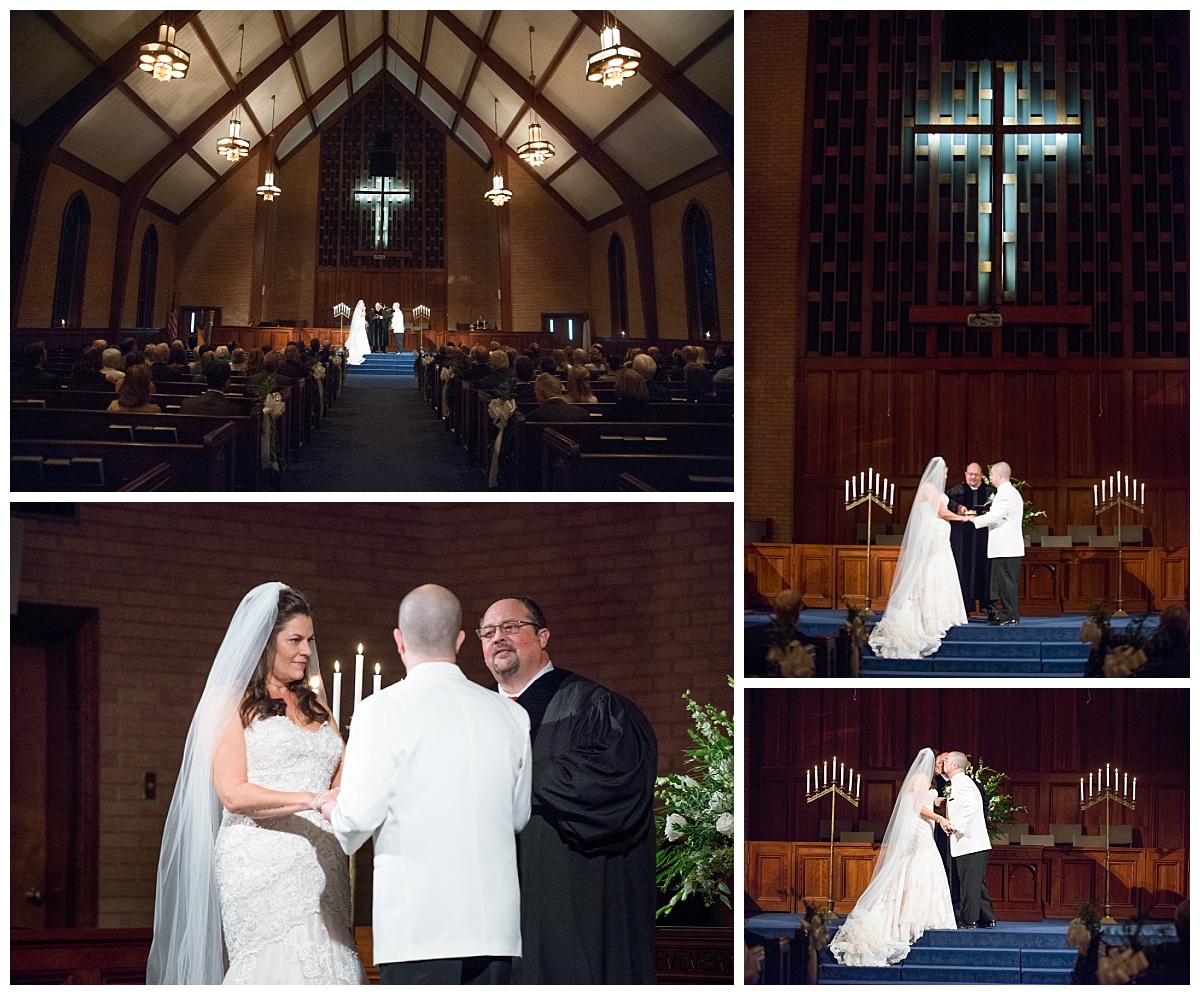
point(358, 345)
point(908, 892)
point(253, 888)
point(925, 600)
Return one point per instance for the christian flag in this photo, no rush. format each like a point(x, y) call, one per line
point(172, 322)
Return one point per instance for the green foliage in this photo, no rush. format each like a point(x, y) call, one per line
point(1000, 808)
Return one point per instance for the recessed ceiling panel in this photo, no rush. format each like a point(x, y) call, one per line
point(46, 66)
point(476, 20)
point(294, 20)
point(473, 140)
point(591, 106)
point(116, 137)
point(294, 137)
point(366, 72)
point(362, 28)
point(262, 36)
point(586, 190)
point(180, 101)
point(321, 58)
point(408, 28)
point(333, 100)
point(449, 60)
point(405, 73)
point(510, 38)
point(672, 36)
point(281, 83)
point(442, 110)
point(180, 185)
point(488, 86)
point(714, 74)
point(104, 35)
point(657, 143)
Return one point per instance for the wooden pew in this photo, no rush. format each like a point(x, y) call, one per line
point(68, 423)
point(206, 466)
point(593, 457)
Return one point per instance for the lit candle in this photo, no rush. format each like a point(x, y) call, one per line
point(816, 783)
point(1143, 501)
point(358, 678)
point(1089, 784)
point(824, 772)
point(1135, 789)
point(1095, 499)
point(378, 685)
point(807, 782)
point(842, 777)
point(1111, 492)
point(870, 478)
point(847, 492)
point(862, 479)
point(1134, 488)
point(1106, 766)
point(835, 767)
point(1081, 789)
point(337, 694)
point(850, 781)
point(1126, 791)
point(1127, 485)
point(892, 499)
point(858, 790)
point(1102, 483)
point(854, 487)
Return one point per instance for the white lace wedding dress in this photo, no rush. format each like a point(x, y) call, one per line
point(284, 882)
point(915, 900)
point(358, 344)
point(916, 627)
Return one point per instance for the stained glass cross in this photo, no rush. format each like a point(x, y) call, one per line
point(382, 195)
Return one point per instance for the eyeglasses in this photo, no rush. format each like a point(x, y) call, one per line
point(508, 628)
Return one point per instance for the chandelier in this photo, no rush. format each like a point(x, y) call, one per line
point(614, 62)
point(268, 190)
point(233, 146)
point(163, 58)
point(535, 151)
point(498, 195)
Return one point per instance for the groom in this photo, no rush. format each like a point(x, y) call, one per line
point(969, 844)
point(1006, 544)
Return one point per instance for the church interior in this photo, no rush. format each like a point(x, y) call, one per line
point(1060, 836)
point(112, 645)
point(460, 169)
point(967, 238)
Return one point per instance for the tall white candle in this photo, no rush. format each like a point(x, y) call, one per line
point(337, 694)
point(892, 499)
point(1106, 766)
point(1081, 789)
point(824, 772)
point(854, 488)
point(1102, 484)
point(862, 479)
point(1134, 789)
point(808, 782)
point(835, 768)
point(847, 492)
point(1095, 499)
point(1134, 495)
point(870, 478)
point(1127, 485)
point(858, 790)
point(816, 783)
point(1126, 791)
point(358, 679)
point(1143, 500)
point(378, 685)
point(842, 778)
point(1111, 492)
point(1089, 784)
point(850, 780)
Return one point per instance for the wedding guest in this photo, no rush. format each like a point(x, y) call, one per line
point(500, 371)
point(699, 384)
point(161, 370)
point(133, 394)
point(30, 374)
point(254, 363)
point(586, 859)
point(179, 357)
point(647, 369)
point(208, 356)
point(560, 361)
point(551, 406)
point(112, 366)
point(213, 401)
point(480, 365)
point(632, 399)
point(523, 381)
point(579, 388)
point(86, 373)
point(237, 362)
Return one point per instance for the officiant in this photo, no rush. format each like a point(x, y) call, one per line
point(969, 543)
point(377, 328)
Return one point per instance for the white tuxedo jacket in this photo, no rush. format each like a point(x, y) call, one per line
point(438, 771)
point(1003, 522)
point(964, 809)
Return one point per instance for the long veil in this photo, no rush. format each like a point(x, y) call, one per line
point(188, 947)
point(918, 534)
point(358, 345)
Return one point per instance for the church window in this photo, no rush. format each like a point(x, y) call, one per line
point(147, 277)
point(67, 310)
point(700, 276)
point(618, 297)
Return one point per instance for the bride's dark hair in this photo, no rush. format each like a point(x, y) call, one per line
point(257, 701)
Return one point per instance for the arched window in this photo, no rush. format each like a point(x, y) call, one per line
point(72, 264)
point(147, 277)
point(700, 276)
point(618, 297)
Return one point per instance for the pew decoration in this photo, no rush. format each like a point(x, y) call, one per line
point(695, 827)
point(272, 407)
point(856, 632)
point(818, 784)
point(500, 409)
point(817, 932)
point(1108, 789)
point(786, 653)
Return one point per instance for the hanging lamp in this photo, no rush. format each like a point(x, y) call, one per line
point(268, 190)
point(163, 59)
point(535, 151)
point(498, 195)
point(614, 62)
point(233, 146)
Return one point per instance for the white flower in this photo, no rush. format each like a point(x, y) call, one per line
point(725, 823)
point(689, 782)
point(675, 824)
point(717, 802)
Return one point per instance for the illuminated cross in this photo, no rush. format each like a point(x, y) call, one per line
point(999, 133)
point(379, 194)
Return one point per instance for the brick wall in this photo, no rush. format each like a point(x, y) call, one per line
point(292, 253)
point(650, 617)
point(774, 310)
point(716, 197)
point(472, 257)
point(37, 301)
point(164, 282)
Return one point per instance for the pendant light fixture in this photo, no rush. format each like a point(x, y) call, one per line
point(268, 190)
point(163, 59)
point(614, 62)
point(233, 146)
point(498, 195)
point(535, 151)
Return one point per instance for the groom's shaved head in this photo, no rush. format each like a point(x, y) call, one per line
point(957, 760)
point(1002, 470)
point(431, 620)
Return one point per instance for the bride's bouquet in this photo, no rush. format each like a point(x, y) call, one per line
point(695, 853)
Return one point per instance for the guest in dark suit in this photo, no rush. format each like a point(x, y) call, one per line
point(647, 368)
point(523, 374)
point(500, 371)
point(86, 375)
point(31, 375)
point(161, 370)
point(480, 366)
point(632, 399)
point(551, 406)
point(270, 368)
point(291, 366)
point(213, 401)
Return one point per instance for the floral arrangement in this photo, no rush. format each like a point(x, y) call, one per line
point(1029, 513)
point(695, 855)
point(271, 402)
point(1000, 808)
point(786, 653)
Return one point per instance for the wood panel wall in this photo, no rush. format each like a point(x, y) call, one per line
point(1060, 425)
point(1042, 739)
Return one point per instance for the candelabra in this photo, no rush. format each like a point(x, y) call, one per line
point(1119, 494)
point(341, 312)
point(872, 489)
point(839, 784)
point(1111, 792)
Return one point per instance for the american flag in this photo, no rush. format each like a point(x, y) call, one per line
point(172, 322)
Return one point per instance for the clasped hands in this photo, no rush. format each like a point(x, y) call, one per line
point(326, 802)
point(948, 829)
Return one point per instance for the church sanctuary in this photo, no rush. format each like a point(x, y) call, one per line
point(967, 300)
point(422, 247)
point(112, 645)
point(1083, 832)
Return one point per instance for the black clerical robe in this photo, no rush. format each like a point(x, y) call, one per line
point(970, 546)
point(377, 329)
point(586, 858)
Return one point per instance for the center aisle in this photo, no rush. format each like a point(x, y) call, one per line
point(381, 436)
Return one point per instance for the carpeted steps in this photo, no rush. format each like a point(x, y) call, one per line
point(385, 364)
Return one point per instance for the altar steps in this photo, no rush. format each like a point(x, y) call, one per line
point(385, 364)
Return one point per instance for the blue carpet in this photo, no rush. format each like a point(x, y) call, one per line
point(385, 364)
point(1036, 647)
point(1008, 954)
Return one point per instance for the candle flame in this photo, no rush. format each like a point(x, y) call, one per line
point(360, 647)
point(336, 666)
point(376, 670)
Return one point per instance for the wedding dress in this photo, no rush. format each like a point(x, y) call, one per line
point(284, 882)
point(926, 598)
point(358, 345)
point(908, 892)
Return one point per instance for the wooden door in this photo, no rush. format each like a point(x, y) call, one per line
point(27, 787)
